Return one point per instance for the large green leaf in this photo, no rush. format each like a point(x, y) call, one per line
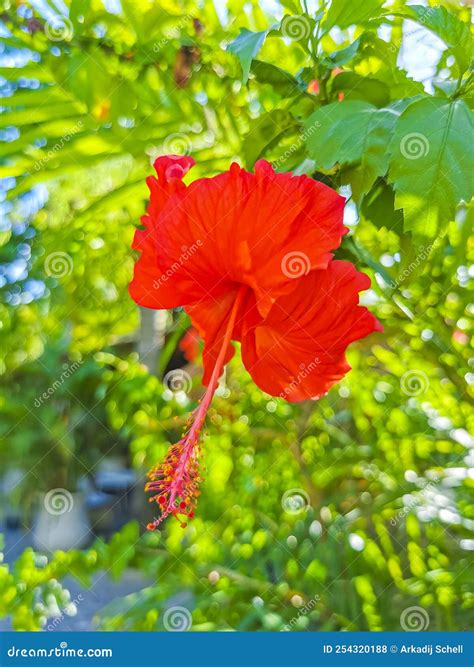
point(448, 27)
point(281, 82)
point(354, 134)
point(431, 167)
point(344, 13)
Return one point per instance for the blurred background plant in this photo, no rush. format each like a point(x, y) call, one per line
point(341, 514)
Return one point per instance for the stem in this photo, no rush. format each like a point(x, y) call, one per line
point(193, 433)
point(461, 87)
point(313, 39)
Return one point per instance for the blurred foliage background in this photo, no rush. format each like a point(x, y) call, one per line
point(332, 515)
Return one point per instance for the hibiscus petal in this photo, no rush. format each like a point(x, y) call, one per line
point(149, 286)
point(298, 351)
point(210, 317)
point(250, 229)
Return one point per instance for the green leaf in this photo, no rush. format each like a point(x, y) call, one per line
point(354, 134)
point(282, 82)
point(448, 27)
point(445, 88)
point(292, 5)
point(265, 132)
point(377, 59)
point(344, 13)
point(133, 14)
point(246, 46)
point(378, 206)
point(343, 56)
point(356, 87)
point(40, 114)
point(41, 97)
point(430, 165)
point(30, 70)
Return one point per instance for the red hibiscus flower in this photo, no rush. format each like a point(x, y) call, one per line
point(249, 257)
